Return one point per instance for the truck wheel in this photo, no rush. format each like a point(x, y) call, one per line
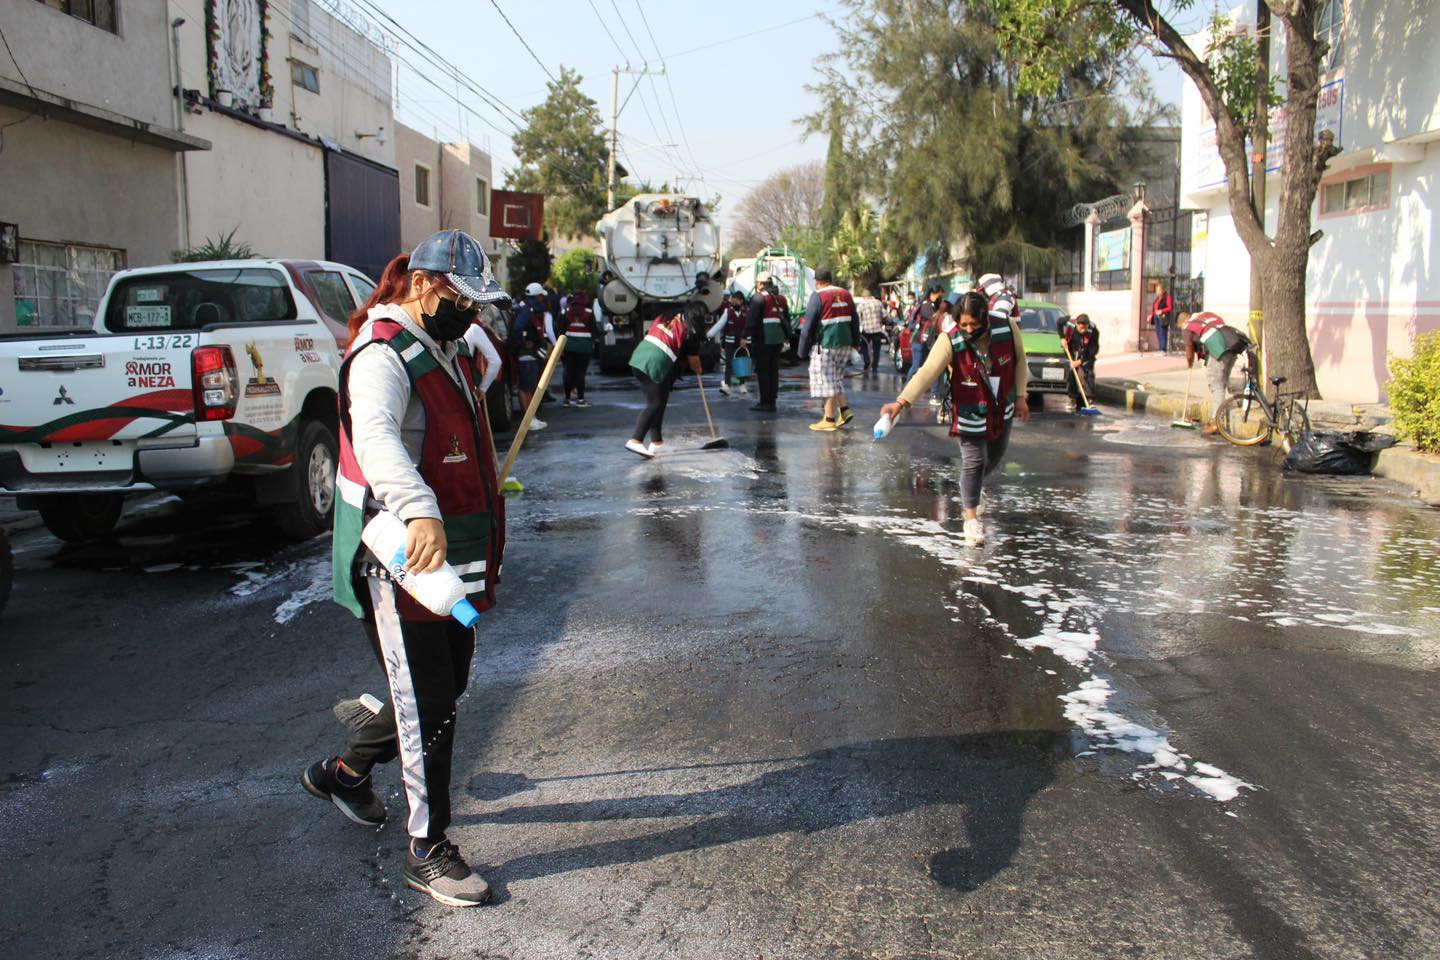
point(7, 569)
point(313, 476)
point(76, 517)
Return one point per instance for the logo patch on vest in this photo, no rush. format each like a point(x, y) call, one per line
point(456, 455)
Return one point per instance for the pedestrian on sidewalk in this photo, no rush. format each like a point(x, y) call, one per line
point(729, 329)
point(412, 443)
point(830, 331)
point(923, 331)
point(1084, 342)
point(988, 388)
point(1162, 312)
point(871, 312)
point(654, 361)
point(1218, 345)
point(532, 333)
point(766, 329)
point(581, 328)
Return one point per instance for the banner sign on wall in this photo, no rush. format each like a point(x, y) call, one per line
point(515, 215)
point(236, 40)
point(1210, 169)
point(1199, 235)
point(1112, 250)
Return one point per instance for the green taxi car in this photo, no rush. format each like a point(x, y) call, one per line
point(1044, 355)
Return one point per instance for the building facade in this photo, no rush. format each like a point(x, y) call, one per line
point(444, 186)
point(1374, 277)
point(298, 106)
point(89, 156)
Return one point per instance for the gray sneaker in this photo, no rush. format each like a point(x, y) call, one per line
point(359, 803)
point(446, 876)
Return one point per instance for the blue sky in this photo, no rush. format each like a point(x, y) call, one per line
point(721, 119)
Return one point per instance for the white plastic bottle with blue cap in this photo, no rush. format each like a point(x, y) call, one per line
point(442, 592)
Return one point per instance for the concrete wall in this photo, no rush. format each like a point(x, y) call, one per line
point(270, 187)
point(416, 222)
point(454, 169)
point(1374, 277)
point(1109, 310)
point(126, 72)
point(64, 183)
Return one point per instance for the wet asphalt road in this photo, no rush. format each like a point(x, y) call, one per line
point(764, 703)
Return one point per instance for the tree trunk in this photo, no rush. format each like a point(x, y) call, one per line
point(1287, 342)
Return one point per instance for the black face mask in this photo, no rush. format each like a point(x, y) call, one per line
point(448, 322)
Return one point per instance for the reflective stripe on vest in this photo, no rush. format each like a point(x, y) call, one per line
point(651, 338)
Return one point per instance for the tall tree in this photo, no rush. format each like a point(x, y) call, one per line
point(787, 204)
point(1033, 37)
point(562, 153)
point(938, 133)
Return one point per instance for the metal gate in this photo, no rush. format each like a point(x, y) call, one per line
point(1167, 259)
point(362, 213)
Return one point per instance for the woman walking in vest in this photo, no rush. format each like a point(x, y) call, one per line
point(831, 329)
point(654, 361)
point(580, 330)
point(988, 383)
point(412, 443)
point(766, 328)
point(729, 329)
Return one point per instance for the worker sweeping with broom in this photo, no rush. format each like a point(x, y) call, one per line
point(1082, 345)
point(656, 367)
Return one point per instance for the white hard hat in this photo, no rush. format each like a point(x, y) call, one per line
point(534, 290)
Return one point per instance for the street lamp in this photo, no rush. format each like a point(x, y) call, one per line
point(1139, 191)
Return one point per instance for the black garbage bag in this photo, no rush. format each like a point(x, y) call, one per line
point(1336, 454)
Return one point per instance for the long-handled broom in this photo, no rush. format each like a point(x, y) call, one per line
point(1088, 410)
point(717, 442)
point(508, 485)
point(1185, 423)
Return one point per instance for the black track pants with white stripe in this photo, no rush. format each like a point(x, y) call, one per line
point(427, 664)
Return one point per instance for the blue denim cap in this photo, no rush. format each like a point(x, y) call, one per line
point(458, 257)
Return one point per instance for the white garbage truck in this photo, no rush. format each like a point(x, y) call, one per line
point(660, 253)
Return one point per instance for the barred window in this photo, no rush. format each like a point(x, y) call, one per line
point(60, 284)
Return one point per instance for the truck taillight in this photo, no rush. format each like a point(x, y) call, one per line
point(215, 382)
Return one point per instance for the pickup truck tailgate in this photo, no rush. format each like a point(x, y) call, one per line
point(98, 391)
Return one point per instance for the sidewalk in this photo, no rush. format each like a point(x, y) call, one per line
point(1156, 385)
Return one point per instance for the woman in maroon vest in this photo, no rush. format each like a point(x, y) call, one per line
point(413, 443)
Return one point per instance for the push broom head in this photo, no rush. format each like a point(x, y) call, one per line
point(1089, 411)
point(512, 487)
point(1184, 424)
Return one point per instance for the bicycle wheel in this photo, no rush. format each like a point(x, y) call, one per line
point(1241, 421)
point(1294, 422)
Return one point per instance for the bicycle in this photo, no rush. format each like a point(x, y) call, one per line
point(1285, 414)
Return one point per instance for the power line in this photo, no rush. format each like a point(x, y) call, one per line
point(742, 36)
point(623, 55)
point(674, 102)
point(522, 40)
point(423, 49)
point(626, 27)
point(32, 113)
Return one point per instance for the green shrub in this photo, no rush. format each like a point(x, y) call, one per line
point(1415, 393)
point(224, 248)
point(575, 270)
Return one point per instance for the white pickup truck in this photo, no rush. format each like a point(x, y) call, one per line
point(194, 375)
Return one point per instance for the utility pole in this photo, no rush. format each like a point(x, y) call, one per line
point(615, 107)
point(1260, 146)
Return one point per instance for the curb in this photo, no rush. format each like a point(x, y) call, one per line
point(1403, 464)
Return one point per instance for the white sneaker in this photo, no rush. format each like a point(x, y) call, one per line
point(980, 507)
point(934, 401)
point(974, 533)
point(744, 390)
point(724, 389)
point(635, 446)
point(538, 424)
point(656, 449)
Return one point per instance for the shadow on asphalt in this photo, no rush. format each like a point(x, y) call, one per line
point(992, 776)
